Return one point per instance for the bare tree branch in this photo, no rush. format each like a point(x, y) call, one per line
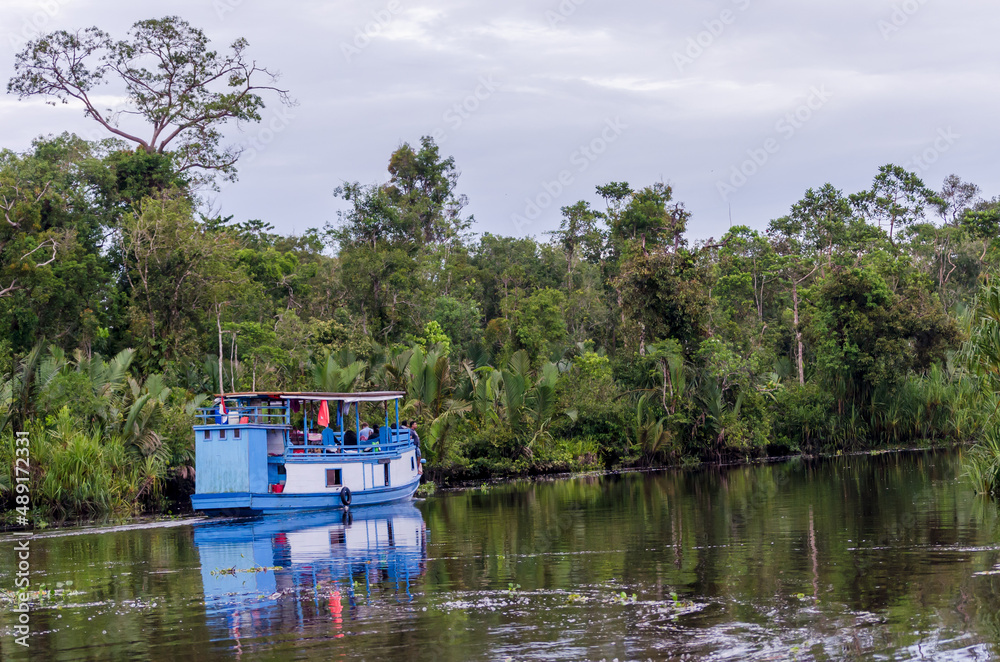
point(51, 242)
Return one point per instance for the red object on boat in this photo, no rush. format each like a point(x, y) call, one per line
point(278, 488)
point(324, 415)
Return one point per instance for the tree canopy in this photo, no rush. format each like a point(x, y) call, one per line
point(617, 340)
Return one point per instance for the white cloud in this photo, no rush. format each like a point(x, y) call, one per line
point(560, 82)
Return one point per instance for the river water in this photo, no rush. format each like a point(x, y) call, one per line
point(885, 557)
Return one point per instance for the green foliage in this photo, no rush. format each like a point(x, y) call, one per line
point(539, 323)
point(431, 390)
point(103, 443)
point(866, 336)
point(896, 199)
point(53, 276)
point(434, 336)
point(982, 464)
point(426, 489)
point(132, 175)
point(459, 320)
point(662, 295)
point(338, 374)
point(647, 219)
point(981, 354)
point(653, 438)
point(178, 271)
point(616, 343)
point(593, 365)
point(749, 257)
point(590, 398)
point(802, 419)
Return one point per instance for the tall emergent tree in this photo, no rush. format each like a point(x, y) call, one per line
point(182, 90)
point(896, 199)
point(805, 241)
point(411, 224)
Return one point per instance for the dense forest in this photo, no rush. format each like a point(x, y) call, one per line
point(853, 322)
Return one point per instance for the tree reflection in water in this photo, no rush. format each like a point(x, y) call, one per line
point(887, 556)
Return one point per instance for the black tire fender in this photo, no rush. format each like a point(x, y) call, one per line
point(345, 495)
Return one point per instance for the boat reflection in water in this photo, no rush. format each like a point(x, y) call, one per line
point(264, 575)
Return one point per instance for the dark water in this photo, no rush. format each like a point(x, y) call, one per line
point(887, 557)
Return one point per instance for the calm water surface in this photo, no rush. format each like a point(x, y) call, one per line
point(888, 557)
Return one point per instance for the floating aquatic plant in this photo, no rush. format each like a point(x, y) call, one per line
point(623, 598)
point(234, 570)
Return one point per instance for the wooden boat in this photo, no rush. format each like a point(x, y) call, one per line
point(278, 452)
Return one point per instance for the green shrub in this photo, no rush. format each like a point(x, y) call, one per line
point(73, 390)
point(801, 418)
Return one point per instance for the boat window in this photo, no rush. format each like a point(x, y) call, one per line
point(386, 473)
point(207, 434)
point(236, 433)
point(222, 433)
point(333, 478)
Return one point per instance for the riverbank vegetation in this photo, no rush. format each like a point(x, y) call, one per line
point(614, 340)
point(982, 355)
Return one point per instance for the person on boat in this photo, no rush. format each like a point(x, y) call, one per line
point(416, 442)
point(329, 440)
point(365, 432)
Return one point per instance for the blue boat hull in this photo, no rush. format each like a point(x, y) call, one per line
point(252, 503)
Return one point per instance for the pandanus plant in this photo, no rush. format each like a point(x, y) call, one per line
point(144, 415)
point(652, 436)
point(517, 398)
point(108, 379)
point(114, 412)
point(982, 355)
point(431, 388)
point(102, 384)
point(434, 392)
point(17, 393)
point(339, 373)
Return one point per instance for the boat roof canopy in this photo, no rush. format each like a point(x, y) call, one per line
point(370, 396)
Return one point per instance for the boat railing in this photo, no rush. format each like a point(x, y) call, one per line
point(301, 446)
point(269, 415)
point(316, 450)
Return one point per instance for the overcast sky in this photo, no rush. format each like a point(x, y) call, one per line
point(740, 105)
